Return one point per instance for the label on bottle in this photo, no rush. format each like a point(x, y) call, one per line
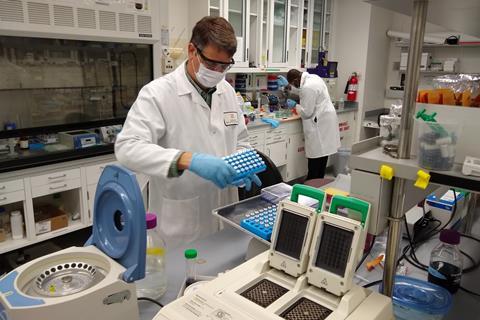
point(156, 251)
point(445, 275)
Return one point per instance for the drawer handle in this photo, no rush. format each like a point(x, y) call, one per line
point(3, 187)
point(254, 137)
point(57, 177)
point(59, 187)
point(3, 199)
point(278, 138)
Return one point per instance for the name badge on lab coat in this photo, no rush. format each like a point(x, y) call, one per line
point(230, 118)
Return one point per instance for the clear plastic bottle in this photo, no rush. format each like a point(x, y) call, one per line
point(446, 262)
point(154, 284)
point(190, 266)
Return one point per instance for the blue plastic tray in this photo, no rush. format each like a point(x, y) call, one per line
point(261, 221)
point(245, 162)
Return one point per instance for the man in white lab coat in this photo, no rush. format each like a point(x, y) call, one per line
point(179, 128)
point(319, 119)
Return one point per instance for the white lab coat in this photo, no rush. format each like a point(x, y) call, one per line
point(169, 116)
point(319, 118)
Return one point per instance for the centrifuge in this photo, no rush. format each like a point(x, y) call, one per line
point(91, 282)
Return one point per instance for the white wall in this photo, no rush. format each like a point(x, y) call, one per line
point(350, 41)
point(361, 45)
point(377, 61)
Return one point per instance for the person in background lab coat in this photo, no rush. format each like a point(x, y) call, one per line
point(179, 128)
point(319, 119)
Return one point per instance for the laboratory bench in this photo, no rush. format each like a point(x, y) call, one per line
point(285, 145)
point(227, 249)
point(217, 253)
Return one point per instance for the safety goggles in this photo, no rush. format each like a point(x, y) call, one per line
point(215, 65)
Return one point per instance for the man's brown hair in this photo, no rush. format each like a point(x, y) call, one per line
point(294, 74)
point(214, 31)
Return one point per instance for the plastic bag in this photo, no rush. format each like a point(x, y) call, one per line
point(456, 89)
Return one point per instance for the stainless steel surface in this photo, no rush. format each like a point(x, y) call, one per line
point(233, 214)
point(394, 235)
point(64, 279)
point(417, 32)
point(368, 156)
point(471, 211)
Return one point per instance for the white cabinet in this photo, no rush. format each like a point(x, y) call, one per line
point(272, 33)
point(68, 186)
point(257, 140)
point(277, 151)
point(316, 31)
point(285, 145)
point(295, 33)
point(12, 198)
point(256, 49)
point(278, 33)
point(276, 146)
point(238, 14)
point(296, 159)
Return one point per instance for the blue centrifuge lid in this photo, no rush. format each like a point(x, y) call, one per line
point(119, 227)
point(421, 296)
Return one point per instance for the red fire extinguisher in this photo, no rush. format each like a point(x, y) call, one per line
point(352, 87)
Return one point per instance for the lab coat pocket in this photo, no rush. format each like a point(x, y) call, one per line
point(180, 219)
point(309, 125)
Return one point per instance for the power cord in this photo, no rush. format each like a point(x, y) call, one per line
point(470, 292)
point(409, 254)
point(366, 254)
point(150, 300)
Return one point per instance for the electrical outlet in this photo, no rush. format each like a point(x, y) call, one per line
point(168, 65)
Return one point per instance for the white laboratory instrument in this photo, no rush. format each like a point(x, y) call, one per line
point(471, 166)
point(91, 282)
point(264, 288)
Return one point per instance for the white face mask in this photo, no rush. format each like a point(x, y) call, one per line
point(208, 78)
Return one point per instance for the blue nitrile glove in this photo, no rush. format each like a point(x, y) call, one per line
point(247, 182)
point(291, 103)
point(274, 123)
point(282, 81)
point(213, 169)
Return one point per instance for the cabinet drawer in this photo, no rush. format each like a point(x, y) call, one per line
point(256, 141)
point(55, 177)
point(256, 135)
point(94, 172)
point(10, 186)
point(275, 138)
point(12, 197)
point(275, 132)
point(38, 191)
point(257, 145)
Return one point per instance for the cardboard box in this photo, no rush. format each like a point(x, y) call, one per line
point(442, 207)
point(49, 218)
